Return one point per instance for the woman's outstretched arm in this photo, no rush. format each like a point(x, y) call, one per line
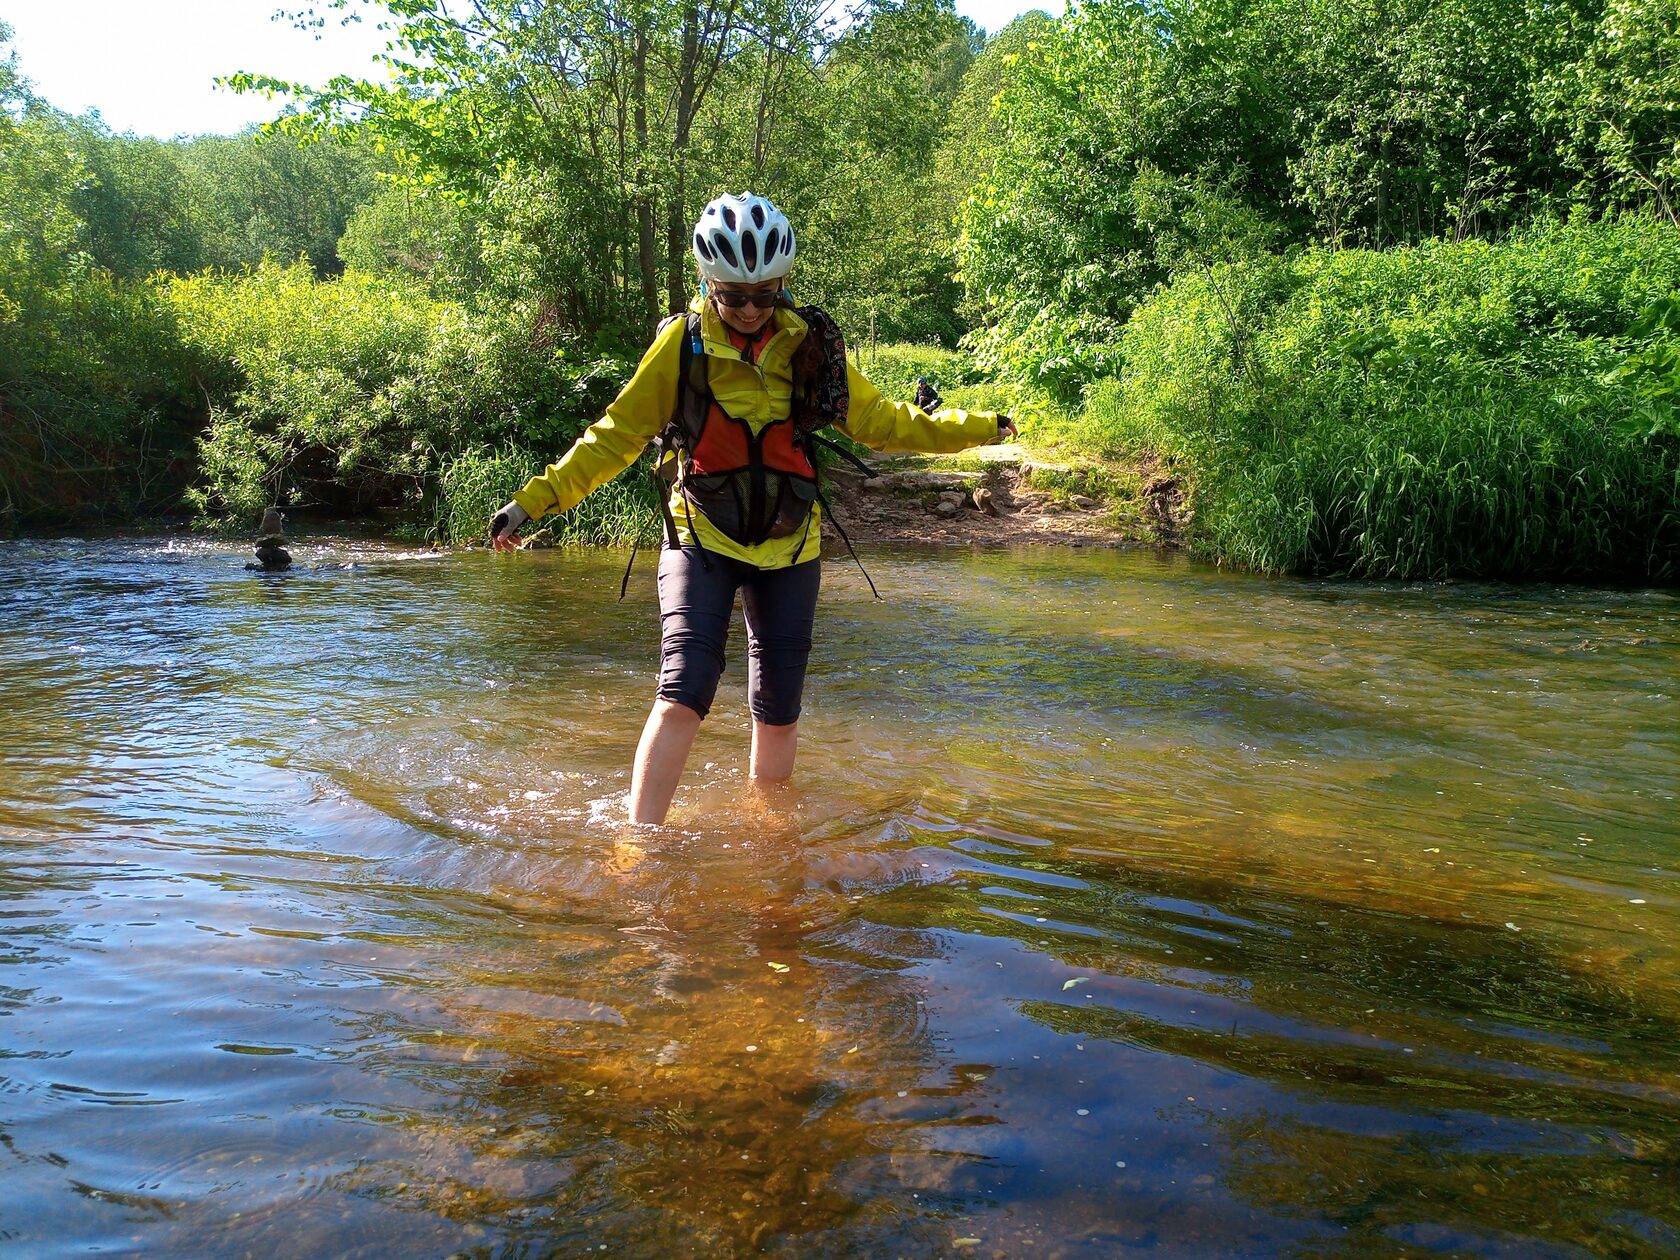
point(610, 445)
point(883, 425)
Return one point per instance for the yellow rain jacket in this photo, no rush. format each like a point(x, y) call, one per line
point(755, 392)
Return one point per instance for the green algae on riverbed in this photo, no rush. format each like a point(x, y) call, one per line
point(1120, 905)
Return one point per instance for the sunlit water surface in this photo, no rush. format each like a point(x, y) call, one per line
point(1119, 905)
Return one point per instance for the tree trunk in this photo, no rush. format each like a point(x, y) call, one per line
point(676, 223)
point(1382, 190)
point(644, 197)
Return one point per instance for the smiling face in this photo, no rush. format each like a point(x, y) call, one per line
point(750, 316)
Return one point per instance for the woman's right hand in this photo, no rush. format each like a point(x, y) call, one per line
point(504, 526)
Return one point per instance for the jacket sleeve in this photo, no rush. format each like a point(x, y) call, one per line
point(610, 445)
point(898, 426)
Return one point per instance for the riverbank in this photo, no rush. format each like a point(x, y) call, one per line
point(1007, 495)
point(1454, 410)
point(1457, 409)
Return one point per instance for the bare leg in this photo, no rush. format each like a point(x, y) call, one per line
point(660, 757)
point(772, 751)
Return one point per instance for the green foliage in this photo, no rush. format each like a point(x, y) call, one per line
point(894, 368)
point(473, 485)
point(1136, 139)
point(995, 396)
point(1054, 247)
point(255, 197)
point(1167, 213)
point(581, 142)
point(477, 482)
point(858, 174)
point(622, 511)
point(409, 233)
point(94, 396)
point(1450, 409)
point(139, 205)
point(92, 384)
point(1652, 370)
point(137, 202)
point(975, 133)
point(1617, 99)
point(354, 392)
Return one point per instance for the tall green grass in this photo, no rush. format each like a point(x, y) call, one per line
point(1455, 409)
point(961, 381)
point(894, 368)
point(474, 484)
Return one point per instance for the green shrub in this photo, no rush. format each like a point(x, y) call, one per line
point(352, 393)
point(96, 403)
point(1451, 409)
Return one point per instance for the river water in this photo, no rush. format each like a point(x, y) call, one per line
point(1120, 905)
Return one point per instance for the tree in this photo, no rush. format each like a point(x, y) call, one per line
point(584, 137)
point(1373, 123)
point(255, 195)
point(1617, 101)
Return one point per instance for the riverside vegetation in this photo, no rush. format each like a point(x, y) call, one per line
point(1394, 291)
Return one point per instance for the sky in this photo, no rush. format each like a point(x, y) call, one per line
point(149, 66)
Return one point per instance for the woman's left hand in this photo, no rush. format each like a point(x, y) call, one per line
point(504, 527)
point(1007, 432)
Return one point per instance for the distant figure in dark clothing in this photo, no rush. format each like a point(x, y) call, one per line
point(927, 397)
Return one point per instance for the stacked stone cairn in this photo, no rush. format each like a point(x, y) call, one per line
point(272, 556)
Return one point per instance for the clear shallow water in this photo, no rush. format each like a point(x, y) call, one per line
point(1120, 905)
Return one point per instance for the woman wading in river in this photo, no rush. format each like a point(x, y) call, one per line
point(732, 394)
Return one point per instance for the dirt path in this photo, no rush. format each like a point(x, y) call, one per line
point(1003, 496)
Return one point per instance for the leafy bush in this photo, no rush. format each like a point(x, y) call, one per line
point(96, 405)
point(1466, 408)
point(355, 392)
point(93, 387)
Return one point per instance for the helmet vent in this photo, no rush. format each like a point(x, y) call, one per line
point(729, 218)
point(703, 249)
point(770, 243)
point(749, 250)
point(720, 243)
point(758, 214)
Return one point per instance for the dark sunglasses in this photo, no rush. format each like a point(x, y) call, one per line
point(734, 299)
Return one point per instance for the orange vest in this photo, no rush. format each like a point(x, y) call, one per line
point(752, 486)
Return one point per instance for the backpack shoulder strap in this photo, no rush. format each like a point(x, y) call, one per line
point(694, 388)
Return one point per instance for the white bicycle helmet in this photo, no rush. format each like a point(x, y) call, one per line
point(744, 239)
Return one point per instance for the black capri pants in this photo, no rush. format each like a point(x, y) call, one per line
point(696, 601)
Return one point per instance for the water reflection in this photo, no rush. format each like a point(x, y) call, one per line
point(1121, 906)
